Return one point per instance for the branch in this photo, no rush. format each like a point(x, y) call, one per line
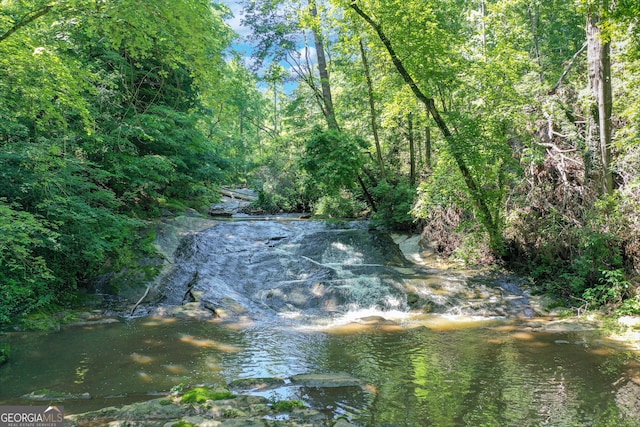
point(26, 20)
point(567, 69)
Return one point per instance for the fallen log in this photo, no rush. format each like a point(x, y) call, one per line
point(237, 195)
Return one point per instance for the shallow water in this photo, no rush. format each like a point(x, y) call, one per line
point(429, 372)
point(310, 297)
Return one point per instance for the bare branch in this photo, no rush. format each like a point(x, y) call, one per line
point(567, 69)
point(26, 20)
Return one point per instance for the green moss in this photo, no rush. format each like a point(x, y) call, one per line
point(5, 350)
point(51, 394)
point(182, 423)
point(40, 321)
point(202, 394)
point(287, 405)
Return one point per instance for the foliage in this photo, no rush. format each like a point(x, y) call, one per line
point(202, 394)
point(333, 159)
point(282, 189)
point(26, 279)
point(112, 113)
point(5, 352)
point(394, 205)
point(630, 307)
point(610, 290)
point(109, 112)
point(341, 205)
point(287, 405)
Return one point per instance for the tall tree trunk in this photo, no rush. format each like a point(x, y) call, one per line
point(484, 213)
point(598, 53)
point(327, 99)
point(372, 110)
point(412, 150)
point(483, 29)
point(427, 146)
point(534, 19)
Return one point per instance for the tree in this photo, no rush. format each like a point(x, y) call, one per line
point(102, 120)
point(599, 58)
point(487, 217)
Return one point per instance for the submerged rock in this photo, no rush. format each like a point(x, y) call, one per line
point(256, 384)
point(241, 411)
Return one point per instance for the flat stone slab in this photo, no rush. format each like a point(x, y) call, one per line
point(337, 379)
point(570, 325)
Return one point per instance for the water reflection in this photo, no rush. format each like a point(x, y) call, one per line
point(482, 374)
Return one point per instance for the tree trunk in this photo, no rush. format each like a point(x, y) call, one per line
point(372, 110)
point(533, 23)
point(412, 150)
point(328, 110)
point(427, 147)
point(598, 53)
point(476, 193)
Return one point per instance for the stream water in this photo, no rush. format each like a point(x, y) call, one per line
point(308, 297)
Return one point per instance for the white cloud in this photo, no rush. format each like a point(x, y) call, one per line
point(236, 21)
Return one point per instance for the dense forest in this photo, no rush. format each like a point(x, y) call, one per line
point(504, 131)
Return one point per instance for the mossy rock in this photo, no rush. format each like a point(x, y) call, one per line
point(183, 423)
point(287, 405)
point(5, 350)
point(202, 394)
point(40, 322)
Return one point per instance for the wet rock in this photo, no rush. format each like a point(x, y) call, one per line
point(256, 384)
point(628, 399)
point(51, 395)
point(228, 207)
point(632, 322)
point(324, 380)
point(375, 320)
point(192, 310)
point(570, 325)
point(242, 411)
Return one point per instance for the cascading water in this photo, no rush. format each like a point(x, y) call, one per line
point(344, 354)
point(290, 269)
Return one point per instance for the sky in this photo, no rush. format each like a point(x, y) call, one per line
point(243, 46)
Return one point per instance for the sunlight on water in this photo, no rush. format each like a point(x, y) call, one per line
point(413, 369)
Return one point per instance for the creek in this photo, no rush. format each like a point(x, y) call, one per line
point(276, 299)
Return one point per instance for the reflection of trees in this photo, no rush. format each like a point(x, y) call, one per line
point(456, 378)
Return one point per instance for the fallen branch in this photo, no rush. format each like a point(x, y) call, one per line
point(140, 300)
point(237, 195)
point(567, 69)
